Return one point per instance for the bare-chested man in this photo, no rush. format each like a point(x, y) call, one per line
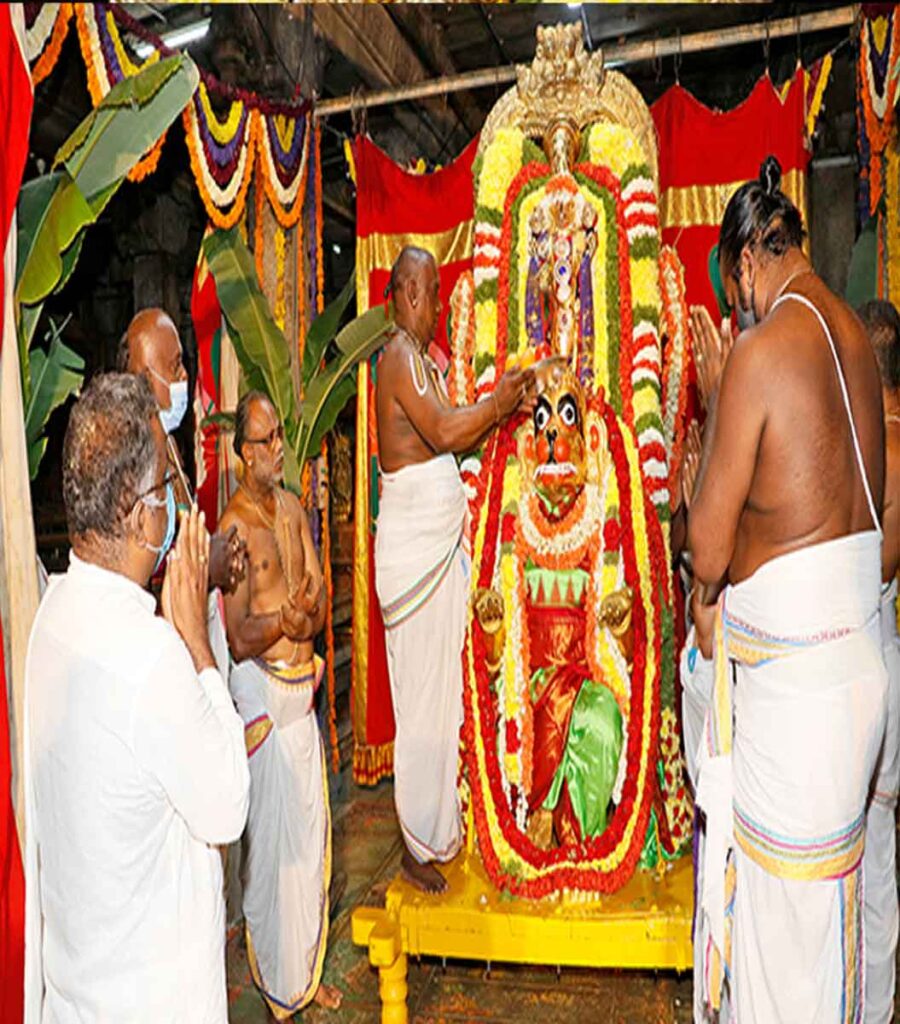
point(272, 618)
point(422, 573)
point(151, 348)
point(883, 324)
point(786, 518)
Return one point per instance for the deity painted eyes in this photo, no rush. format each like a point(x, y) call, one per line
point(541, 415)
point(568, 411)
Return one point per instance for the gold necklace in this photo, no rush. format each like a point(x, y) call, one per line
point(269, 521)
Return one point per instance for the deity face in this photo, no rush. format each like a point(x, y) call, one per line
point(560, 462)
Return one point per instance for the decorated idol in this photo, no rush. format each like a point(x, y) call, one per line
point(573, 771)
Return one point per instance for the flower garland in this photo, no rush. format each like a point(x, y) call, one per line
point(493, 172)
point(461, 379)
point(269, 139)
point(877, 85)
point(677, 361)
point(329, 615)
point(45, 37)
point(222, 162)
point(320, 263)
point(107, 63)
point(602, 864)
point(283, 147)
point(279, 310)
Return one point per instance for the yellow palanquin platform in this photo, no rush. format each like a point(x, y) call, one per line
point(646, 924)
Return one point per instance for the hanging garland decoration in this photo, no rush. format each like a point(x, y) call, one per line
point(107, 63)
point(877, 86)
point(222, 155)
point(677, 359)
point(45, 36)
point(283, 146)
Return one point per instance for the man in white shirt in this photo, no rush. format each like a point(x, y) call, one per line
point(135, 766)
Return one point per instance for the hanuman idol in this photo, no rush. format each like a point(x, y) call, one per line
point(573, 765)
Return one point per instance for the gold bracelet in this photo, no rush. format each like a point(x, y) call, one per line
point(496, 408)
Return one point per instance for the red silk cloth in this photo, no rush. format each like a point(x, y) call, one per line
point(711, 153)
point(16, 101)
point(206, 315)
point(393, 208)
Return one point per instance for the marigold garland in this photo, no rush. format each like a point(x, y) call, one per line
point(677, 361)
point(44, 54)
point(877, 89)
point(107, 63)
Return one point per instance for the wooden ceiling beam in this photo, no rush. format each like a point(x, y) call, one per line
point(419, 26)
point(366, 36)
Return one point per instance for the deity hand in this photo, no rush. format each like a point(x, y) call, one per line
point(615, 613)
point(488, 608)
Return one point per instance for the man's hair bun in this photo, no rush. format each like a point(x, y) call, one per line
point(770, 175)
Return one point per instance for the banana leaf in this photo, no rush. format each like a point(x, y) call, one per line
point(52, 213)
point(56, 209)
point(260, 346)
point(55, 375)
point(128, 121)
point(331, 388)
point(322, 330)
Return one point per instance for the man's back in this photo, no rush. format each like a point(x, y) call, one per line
point(133, 918)
point(806, 486)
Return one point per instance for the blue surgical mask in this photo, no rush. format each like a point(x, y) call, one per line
point(170, 524)
point(178, 402)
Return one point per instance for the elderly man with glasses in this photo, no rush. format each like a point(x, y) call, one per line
point(272, 617)
point(134, 756)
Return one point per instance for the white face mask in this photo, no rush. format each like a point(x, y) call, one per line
point(178, 403)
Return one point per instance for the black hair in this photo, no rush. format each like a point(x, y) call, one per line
point(240, 418)
point(883, 326)
point(109, 455)
point(760, 214)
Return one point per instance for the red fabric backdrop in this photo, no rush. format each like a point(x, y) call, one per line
point(15, 116)
point(705, 154)
point(393, 208)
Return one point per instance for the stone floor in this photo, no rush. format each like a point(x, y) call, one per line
point(367, 851)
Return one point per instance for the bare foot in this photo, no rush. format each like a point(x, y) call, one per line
point(423, 876)
point(328, 997)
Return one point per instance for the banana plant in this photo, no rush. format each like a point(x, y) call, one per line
point(264, 354)
point(55, 210)
point(55, 374)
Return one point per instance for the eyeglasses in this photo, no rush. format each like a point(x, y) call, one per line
point(269, 439)
point(166, 481)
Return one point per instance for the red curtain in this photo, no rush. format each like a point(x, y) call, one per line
point(706, 154)
point(393, 208)
point(15, 117)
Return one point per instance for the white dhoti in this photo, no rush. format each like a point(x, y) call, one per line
point(879, 862)
point(287, 867)
point(422, 578)
point(780, 895)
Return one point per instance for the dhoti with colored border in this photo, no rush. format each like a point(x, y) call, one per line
point(800, 689)
point(880, 864)
point(287, 866)
point(422, 578)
